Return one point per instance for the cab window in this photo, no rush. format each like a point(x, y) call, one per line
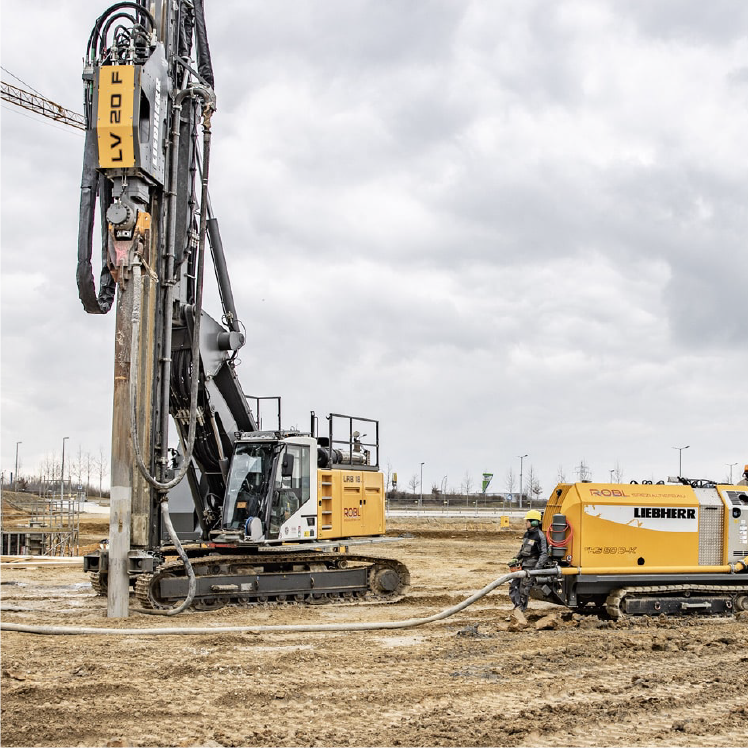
point(292, 484)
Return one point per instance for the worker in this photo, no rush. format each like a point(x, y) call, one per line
point(532, 555)
point(744, 481)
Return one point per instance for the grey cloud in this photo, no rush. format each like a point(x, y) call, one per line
point(691, 21)
point(430, 220)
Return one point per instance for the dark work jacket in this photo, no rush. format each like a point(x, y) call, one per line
point(534, 550)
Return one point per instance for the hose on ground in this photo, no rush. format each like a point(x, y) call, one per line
point(291, 628)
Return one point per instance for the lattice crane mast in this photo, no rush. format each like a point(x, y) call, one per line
point(36, 103)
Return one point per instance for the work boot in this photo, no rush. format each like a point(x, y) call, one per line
point(519, 616)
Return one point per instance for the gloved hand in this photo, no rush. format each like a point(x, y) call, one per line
point(513, 562)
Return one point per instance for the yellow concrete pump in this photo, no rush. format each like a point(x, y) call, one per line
point(648, 549)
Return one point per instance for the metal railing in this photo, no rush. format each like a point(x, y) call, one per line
point(52, 526)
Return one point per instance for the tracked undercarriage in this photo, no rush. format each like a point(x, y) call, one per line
point(682, 599)
point(277, 577)
point(627, 597)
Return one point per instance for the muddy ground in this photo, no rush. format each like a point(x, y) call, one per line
point(470, 680)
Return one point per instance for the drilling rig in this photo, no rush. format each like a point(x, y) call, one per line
point(232, 512)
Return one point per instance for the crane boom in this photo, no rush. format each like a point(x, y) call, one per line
point(39, 105)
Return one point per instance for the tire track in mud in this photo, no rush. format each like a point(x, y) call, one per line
point(676, 714)
point(467, 681)
point(687, 695)
point(688, 698)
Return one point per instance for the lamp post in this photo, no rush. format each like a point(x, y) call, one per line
point(15, 475)
point(521, 458)
point(62, 471)
point(420, 503)
point(680, 459)
point(731, 465)
point(611, 474)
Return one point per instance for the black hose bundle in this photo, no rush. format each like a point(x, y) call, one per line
point(204, 64)
point(104, 21)
point(93, 184)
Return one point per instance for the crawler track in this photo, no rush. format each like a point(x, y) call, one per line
point(681, 599)
point(307, 578)
point(98, 583)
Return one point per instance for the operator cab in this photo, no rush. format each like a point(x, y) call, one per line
point(269, 482)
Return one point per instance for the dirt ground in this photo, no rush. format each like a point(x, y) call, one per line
point(470, 680)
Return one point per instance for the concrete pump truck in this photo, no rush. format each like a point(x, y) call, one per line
point(232, 513)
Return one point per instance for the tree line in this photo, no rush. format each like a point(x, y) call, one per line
point(531, 489)
point(84, 471)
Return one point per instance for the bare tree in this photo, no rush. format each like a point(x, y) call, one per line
point(78, 466)
point(414, 482)
point(467, 483)
point(618, 472)
point(509, 481)
point(536, 488)
point(46, 468)
point(88, 461)
point(56, 468)
point(101, 465)
point(388, 476)
point(561, 475)
point(533, 484)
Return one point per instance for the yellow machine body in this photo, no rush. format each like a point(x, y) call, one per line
point(309, 502)
point(114, 122)
point(130, 106)
point(639, 528)
point(350, 503)
point(648, 549)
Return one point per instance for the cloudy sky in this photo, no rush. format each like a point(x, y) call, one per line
point(500, 227)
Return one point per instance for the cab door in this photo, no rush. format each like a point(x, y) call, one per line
point(292, 492)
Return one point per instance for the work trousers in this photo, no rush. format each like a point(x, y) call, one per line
point(519, 589)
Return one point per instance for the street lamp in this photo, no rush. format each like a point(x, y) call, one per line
point(62, 472)
point(731, 465)
point(15, 475)
point(421, 501)
point(680, 459)
point(521, 458)
point(611, 474)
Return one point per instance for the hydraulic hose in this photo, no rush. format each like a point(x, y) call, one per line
point(560, 543)
point(93, 40)
point(209, 98)
point(295, 628)
point(192, 584)
point(192, 587)
point(92, 302)
point(163, 487)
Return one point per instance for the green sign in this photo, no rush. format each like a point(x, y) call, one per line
point(486, 480)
